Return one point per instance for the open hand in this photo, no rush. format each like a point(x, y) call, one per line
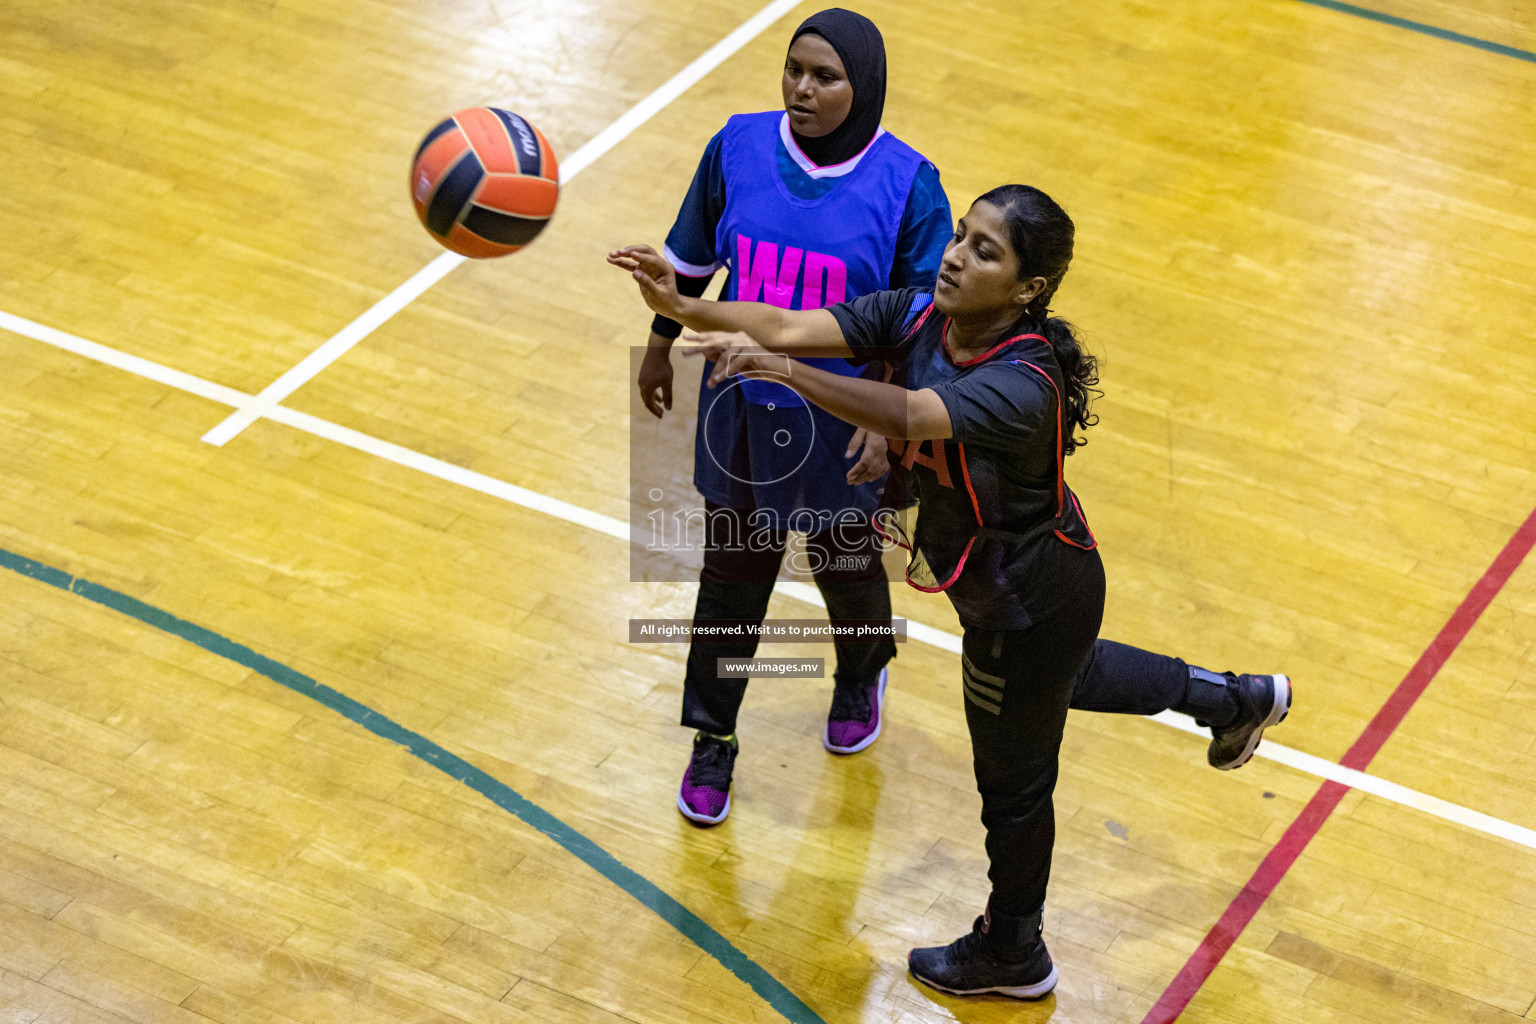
point(654, 275)
point(872, 464)
point(656, 380)
point(735, 354)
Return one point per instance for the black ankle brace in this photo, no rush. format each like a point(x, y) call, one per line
point(1011, 938)
point(1210, 698)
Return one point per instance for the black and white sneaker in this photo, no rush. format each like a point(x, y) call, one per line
point(1001, 954)
point(1262, 701)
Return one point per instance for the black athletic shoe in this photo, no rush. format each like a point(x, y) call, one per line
point(1001, 954)
point(1262, 701)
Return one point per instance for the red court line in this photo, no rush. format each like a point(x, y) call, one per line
point(1279, 860)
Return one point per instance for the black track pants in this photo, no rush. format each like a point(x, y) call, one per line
point(736, 584)
point(1018, 686)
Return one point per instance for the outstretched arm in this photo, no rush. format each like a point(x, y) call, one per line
point(886, 409)
point(809, 332)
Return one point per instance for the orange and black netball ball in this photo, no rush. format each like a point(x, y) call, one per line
point(484, 182)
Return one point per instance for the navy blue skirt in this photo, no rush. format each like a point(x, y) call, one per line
point(788, 460)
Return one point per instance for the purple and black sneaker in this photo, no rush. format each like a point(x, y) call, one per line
point(855, 719)
point(705, 795)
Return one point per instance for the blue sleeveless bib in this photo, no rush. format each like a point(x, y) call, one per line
point(807, 253)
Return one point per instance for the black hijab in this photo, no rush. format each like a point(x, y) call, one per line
point(862, 50)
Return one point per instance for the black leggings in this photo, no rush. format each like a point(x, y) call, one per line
point(736, 584)
point(1018, 685)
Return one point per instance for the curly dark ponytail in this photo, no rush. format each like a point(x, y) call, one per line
point(1041, 234)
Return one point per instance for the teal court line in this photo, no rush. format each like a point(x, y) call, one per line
point(594, 856)
point(1428, 30)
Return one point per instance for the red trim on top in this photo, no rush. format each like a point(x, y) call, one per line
point(874, 520)
point(952, 576)
point(907, 574)
point(914, 328)
point(1061, 471)
point(989, 353)
point(965, 471)
point(1093, 541)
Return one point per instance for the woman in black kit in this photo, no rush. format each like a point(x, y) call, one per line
point(992, 392)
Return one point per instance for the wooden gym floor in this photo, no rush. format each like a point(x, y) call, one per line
point(1304, 252)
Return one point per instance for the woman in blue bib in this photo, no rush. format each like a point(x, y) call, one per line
point(805, 207)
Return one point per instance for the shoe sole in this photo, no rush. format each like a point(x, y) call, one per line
point(826, 739)
point(703, 819)
point(1277, 713)
point(1039, 990)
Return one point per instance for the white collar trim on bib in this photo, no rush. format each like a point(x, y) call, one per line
point(810, 168)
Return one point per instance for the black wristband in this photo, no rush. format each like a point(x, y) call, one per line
point(666, 327)
point(692, 287)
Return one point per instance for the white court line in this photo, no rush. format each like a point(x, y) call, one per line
point(1356, 779)
point(616, 528)
point(254, 407)
point(513, 494)
point(123, 361)
point(342, 341)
